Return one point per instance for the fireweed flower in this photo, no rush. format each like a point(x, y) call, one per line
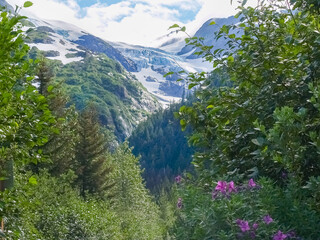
point(279, 236)
point(221, 186)
point(251, 183)
point(178, 179)
point(255, 226)
point(243, 225)
point(179, 203)
point(267, 219)
point(230, 187)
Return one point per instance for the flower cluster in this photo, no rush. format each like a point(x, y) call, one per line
point(245, 227)
point(252, 231)
point(226, 188)
point(280, 236)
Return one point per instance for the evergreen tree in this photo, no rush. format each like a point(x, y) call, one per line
point(93, 163)
point(60, 147)
point(163, 148)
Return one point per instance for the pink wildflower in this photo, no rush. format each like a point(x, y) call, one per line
point(231, 187)
point(243, 225)
point(221, 186)
point(279, 236)
point(251, 183)
point(267, 219)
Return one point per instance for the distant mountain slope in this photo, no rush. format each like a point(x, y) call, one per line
point(69, 40)
point(153, 63)
point(89, 75)
point(67, 43)
point(207, 31)
point(3, 3)
point(121, 99)
point(96, 44)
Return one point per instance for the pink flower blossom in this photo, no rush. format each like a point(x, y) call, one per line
point(255, 226)
point(221, 186)
point(267, 219)
point(243, 225)
point(251, 183)
point(230, 187)
point(279, 236)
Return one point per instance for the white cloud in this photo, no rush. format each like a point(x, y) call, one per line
point(51, 9)
point(131, 21)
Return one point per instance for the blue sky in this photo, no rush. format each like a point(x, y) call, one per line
point(88, 3)
point(131, 21)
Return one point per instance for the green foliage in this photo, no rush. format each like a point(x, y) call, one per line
point(163, 148)
point(203, 217)
point(25, 119)
point(38, 36)
point(51, 209)
point(138, 213)
point(265, 118)
point(61, 145)
point(44, 203)
point(262, 123)
point(27, 4)
point(93, 166)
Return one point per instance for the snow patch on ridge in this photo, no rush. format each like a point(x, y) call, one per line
point(153, 86)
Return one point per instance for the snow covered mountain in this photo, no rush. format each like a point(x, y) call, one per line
point(207, 31)
point(153, 63)
point(65, 42)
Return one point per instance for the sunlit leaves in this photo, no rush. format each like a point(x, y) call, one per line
point(27, 4)
point(174, 26)
point(269, 65)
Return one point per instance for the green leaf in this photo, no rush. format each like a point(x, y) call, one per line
point(2, 234)
point(33, 180)
point(212, 23)
point(167, 74)
point(230, 59)
point(174, 26)
point(244, 2)
point(50, 88)
point(27, 4)
point(191, 85)
point(183, 29)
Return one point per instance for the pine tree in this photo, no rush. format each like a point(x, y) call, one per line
point(60, 147)
point(93, 160)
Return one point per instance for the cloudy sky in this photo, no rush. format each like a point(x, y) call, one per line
point(131, 21)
